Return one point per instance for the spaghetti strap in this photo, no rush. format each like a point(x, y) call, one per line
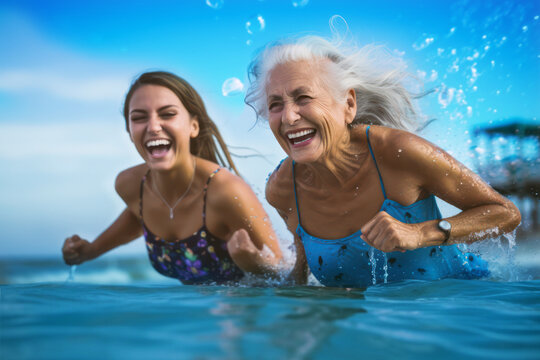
point(205, 190)
point(375, 161)
point(295, 196)
point(143, 180)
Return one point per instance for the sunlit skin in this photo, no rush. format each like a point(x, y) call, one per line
point(337, 183)
point(233, 211)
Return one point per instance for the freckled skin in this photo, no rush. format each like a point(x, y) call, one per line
point(335, 173)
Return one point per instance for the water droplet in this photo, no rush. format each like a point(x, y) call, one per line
point(255, 24)
point(232, 86)
point(474, 74)
point(423, 42)
point(215, 4)
point(265, 218)
point(469, 111)
point(525, 28)
point(536, 17)
point(249, 42)
point(300, 3)
point(445, 96)
point(290, 209)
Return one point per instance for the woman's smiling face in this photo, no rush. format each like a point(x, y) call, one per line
point(303, 113)
point(160, 126)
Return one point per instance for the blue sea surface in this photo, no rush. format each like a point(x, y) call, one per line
point(119, 309)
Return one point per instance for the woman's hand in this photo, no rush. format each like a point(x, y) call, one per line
point(250, 259)
point(387, 234)
point(76, 250)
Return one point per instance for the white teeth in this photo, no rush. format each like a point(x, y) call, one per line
point(300, 133)
point(158, 142)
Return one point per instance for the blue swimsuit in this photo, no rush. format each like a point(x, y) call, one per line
point(201, 258)
point(351, 262)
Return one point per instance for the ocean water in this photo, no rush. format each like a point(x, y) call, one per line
point(119, 308)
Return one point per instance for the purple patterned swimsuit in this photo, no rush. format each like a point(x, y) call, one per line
point(199, 259)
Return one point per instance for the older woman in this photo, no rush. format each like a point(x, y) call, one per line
point(357, 189)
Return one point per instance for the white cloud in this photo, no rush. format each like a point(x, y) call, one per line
point(67, 87)
point(44, 142)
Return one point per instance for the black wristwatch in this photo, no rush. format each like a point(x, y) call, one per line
point(445, 227)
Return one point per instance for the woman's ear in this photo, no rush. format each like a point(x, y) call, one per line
point(194, 123)
point(350, 106)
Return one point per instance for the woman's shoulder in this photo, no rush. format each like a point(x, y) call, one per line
point(400, 148)
point(128, 182)
point(279, 186)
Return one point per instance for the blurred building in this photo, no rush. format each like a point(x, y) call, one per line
point(508, 158)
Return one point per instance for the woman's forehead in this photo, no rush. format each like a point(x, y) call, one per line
point(154, 94)
point(302, 73)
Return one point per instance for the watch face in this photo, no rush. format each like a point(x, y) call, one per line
point(445, 225)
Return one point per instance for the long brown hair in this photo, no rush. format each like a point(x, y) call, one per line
point(204, 145)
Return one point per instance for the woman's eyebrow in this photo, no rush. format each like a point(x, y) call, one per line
point(166, 107)
point(160, 109)
point(300, 90)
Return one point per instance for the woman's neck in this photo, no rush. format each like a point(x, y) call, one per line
point(175, 182)
point(336, 168)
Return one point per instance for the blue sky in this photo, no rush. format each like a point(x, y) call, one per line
point(65, 67)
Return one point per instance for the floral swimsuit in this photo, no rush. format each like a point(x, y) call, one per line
point(199, 259)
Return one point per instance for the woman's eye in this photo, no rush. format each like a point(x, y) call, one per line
point(168, 115)
point(138, 118)
point(303, 99)
point(275, 107)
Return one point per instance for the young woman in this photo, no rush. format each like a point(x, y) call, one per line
point(357, 189)
point(201, 223)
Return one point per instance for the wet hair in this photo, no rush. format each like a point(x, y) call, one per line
point(376, 76)
point(205, 145)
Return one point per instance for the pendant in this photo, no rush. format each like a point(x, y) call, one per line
point(171, 214)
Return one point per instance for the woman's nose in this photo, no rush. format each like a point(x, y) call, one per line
point(290, 114)
point(154, 124)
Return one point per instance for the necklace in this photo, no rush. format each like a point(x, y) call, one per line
point(171, 208)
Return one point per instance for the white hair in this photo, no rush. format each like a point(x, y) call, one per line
point(376, 76)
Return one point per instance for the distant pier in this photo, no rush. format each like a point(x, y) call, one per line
point(507, 156)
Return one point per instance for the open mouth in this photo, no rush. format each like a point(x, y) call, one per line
point(301, 136)
point(158, 148)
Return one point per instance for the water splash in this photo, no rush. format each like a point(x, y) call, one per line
point(385, 268)
point(373, 261)
point(423, 42)
point(446, 95)
point(71, 275)
point(300, 3)
point(232, 86)
point(499, 252)
point(255, 24)
point(215, 4)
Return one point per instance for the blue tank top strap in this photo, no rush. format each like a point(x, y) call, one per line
point(295, 196)
point(205, 190)
point(375, 161)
